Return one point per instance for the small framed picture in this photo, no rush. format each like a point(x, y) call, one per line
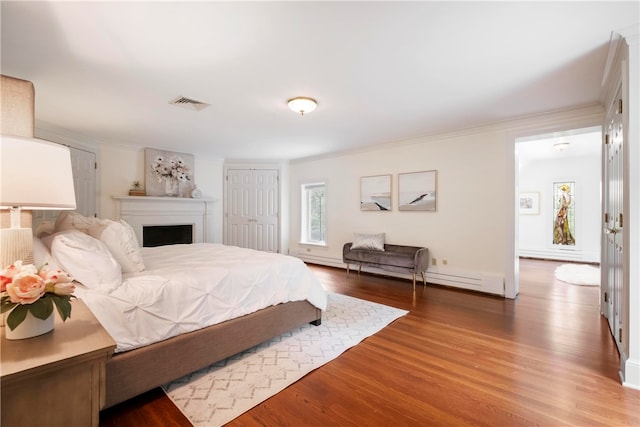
point(417, 191)
point(375, 193)
point(529, 203)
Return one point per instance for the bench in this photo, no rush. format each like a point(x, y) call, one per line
point(396, 258)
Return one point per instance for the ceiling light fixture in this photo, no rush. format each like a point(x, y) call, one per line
point(302, 104)
point(561, 145)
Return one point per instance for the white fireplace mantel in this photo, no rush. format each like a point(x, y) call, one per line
point(140, 211)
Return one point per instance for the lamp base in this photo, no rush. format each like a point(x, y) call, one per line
point(16, 244)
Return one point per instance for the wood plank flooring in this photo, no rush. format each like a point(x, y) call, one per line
point(458, 358)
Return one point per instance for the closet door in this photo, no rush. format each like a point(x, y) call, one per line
point(83, 164)
point(253, 205)
point(614, 245)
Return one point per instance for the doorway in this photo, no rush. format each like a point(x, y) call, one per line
point(558, 179)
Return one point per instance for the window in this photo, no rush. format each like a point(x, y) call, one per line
point(313, 213)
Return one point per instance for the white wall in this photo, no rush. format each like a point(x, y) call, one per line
point(468, 229)
point(536, 231)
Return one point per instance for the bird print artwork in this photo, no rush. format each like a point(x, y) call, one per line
point(417, 191)
point(375, 193)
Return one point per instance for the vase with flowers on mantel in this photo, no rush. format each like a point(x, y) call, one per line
point(171, 186)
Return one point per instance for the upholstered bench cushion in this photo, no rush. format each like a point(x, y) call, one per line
point(400, 258)
point(393, 255)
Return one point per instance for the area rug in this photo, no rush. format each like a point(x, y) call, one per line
point(578, 274)
point(219, 393)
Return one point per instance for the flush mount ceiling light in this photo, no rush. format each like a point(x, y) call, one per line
point(561, 145)
point(302, 104)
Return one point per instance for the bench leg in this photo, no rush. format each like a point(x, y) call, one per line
point(359, 269)
point(424, 279)
point(414, 281)
point(347, 269)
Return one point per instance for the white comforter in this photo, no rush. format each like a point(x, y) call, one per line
point(188, 287)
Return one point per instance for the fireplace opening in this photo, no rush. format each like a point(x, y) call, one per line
point(159, 235)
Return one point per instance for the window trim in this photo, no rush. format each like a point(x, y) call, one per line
point(304, 217)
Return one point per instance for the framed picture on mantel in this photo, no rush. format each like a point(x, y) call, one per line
point(168, 173)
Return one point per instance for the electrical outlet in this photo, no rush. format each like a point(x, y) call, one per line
point(434, 261)
point(445, 262)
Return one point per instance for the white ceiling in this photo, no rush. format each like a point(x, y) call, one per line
point(381, 71)
point(585, 142)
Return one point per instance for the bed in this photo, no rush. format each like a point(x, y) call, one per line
point(175, 309)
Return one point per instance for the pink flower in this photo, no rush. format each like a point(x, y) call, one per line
point(25, 288)
point(7, 275)
point(63, 289)
point(54, 276)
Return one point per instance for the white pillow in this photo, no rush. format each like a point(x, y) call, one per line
point(86, 259)
point(42, 256)
point(45, 228)
point(72, 220)
point(368, 241)
point(121, 241)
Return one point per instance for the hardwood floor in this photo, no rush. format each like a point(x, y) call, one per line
point(458, 358)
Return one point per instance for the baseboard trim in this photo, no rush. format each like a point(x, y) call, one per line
point(631, 376)
point(560, 255)
point(481, 282)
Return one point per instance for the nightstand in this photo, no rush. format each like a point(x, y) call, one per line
point(56, 379)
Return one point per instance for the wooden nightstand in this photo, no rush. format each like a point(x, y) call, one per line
point(56, 379)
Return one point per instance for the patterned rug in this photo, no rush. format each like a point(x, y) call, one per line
point(219, 393)
point(578, 274)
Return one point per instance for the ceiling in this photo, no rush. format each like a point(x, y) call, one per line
point(586, 142)
point(380, 71)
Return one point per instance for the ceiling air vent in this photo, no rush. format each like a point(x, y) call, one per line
point(190, 104)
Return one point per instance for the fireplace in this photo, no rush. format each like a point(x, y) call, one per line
point(159, 235)
point(178, 219)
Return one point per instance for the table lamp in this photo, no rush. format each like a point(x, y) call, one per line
point(34, 175)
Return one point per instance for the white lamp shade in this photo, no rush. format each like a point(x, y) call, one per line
point(35, 174)
point(302, 104)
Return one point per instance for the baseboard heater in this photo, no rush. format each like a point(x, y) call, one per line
point(481, 282)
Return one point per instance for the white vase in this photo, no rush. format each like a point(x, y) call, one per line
point(171, 187)
point(30, 327)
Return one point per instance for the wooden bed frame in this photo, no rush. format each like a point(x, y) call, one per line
point(133, 372)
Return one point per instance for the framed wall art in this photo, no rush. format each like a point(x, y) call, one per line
point(529, 203)
point(417, 191)
point(564, 213)
point(168, 173)
point(375, 193)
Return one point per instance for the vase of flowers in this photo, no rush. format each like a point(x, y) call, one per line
point(28, 295)
point(171, 187)
point(172, 171)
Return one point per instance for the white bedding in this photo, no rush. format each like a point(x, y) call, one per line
point(188, 287)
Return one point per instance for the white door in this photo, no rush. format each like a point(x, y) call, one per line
point(83, 164)
point(84, 181)
point(253, 208)
point(613, 183)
